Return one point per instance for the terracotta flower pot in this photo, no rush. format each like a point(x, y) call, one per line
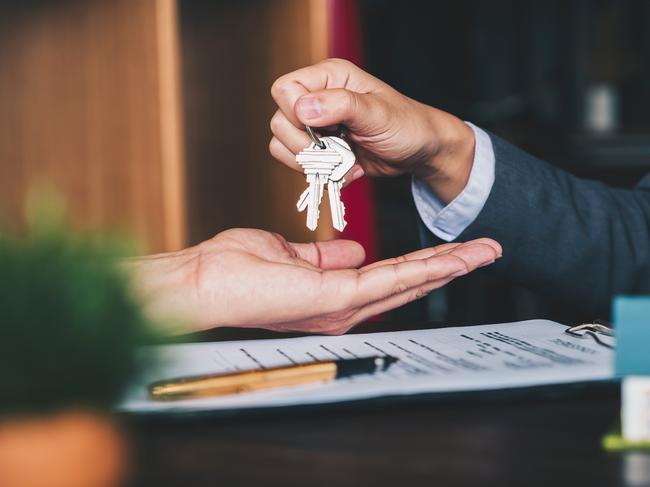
point(68, 449)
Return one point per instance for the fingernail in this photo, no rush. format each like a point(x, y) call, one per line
point(459, 273)
point(308, 107)
point(356, 174)
point(487, 263)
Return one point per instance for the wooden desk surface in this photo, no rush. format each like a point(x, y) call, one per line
point(522, 442)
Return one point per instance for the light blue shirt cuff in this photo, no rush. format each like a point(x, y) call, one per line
point(448, 222)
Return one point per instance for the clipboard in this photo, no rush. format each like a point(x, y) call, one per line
point(483, 362)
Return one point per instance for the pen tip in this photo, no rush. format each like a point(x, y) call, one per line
point(387, 361)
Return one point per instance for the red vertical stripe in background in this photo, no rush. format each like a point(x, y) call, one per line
point(345, 42)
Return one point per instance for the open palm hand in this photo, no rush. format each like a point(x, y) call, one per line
point(253, 278)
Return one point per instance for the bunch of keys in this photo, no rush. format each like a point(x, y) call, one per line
point(324, 161)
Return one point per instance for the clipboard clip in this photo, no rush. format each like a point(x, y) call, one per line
point(596, 330)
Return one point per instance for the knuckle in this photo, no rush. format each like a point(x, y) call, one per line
point(339, 62)
point(278, 88)
point(279, 239)
point(276, 122)
point(434, 270)
point(399, 288)
point(274, 147)
point(349, 101)
point(231, 233)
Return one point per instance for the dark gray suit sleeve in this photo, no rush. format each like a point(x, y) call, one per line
point(575, 240)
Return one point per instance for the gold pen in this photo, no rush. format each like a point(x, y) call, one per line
point(259, 379)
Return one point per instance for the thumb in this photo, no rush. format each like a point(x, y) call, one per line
point(331, 254)
point(357, 111)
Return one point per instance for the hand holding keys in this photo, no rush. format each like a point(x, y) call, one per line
point(324, 161)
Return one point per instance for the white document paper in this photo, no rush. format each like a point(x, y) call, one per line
point(443, 360)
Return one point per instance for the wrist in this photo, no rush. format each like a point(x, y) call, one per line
point(450, 148)
point(164, 285)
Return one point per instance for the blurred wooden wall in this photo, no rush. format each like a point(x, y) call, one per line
point(96, 101)
point(232, 51)
point(89, 103)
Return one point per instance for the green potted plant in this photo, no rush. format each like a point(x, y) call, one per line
point(68, 330)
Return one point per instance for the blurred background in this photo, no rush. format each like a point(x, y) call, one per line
point(152, 115)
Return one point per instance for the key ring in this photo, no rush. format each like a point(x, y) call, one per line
point(316, 140)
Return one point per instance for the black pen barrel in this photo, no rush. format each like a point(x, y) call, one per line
point(358, 366)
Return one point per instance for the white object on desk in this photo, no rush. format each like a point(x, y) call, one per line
point(635, 408)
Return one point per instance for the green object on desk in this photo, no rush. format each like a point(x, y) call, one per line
point(615, 442)
point(70, 324)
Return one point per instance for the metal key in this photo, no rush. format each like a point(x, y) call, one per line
point(336, 181)
point(336, 205)
point(318, 161)
point(348, 157)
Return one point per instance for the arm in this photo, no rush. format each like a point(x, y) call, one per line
point(572, 239)
point(448, 222)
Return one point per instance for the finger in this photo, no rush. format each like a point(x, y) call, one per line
point(455, 247)
point(291, 137)
point(353, 174)
point(476, 254)
point(278, 150)
point(399, 297)
point(487, 241)
point(447, 248)
point(289, 141)
point(404, 297)
point(388, 280)
point(282, 154)
point(331, 73)
point(467, 257)
point(418, 254)
point(437, 250)
point(328, 327)
point(332, 254)
point(361, 113)
point(396, 301)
